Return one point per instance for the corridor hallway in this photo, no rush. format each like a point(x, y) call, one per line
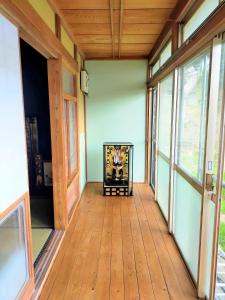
point(118, 248)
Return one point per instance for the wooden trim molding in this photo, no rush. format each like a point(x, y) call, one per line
point(180, 8)
point(120, 27)
point(163, 156)
point(57, 11)
point(197, 186)
point(46, 262)
point(58, 141)
point(58, 26)
point(23, 15)
point(147, 134)
point(212, 26)
point(29, 287)
point(111, 7)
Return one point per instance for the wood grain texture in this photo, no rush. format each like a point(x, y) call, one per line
point(58, 142)
point(118, 21)
point(103, 4)
point(118, 248)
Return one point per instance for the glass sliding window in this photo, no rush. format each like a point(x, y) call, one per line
point(70, 117)
point(163, 173)
point(153, 144)
point(68, 82)
point(220, 278)
point(193, 95)
point(14, 272)
point(165, 110)
point(164, 138)
point(155, 67)
point(73, 130)
point(166, 53)
point(163, 57)
point(187, 216)
point(71, 137)
point(199, 17)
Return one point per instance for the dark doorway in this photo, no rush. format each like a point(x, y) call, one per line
point(38, 135)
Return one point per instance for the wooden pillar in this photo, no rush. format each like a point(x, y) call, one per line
point(58, 142)
point(58, 26)
point(175, 37)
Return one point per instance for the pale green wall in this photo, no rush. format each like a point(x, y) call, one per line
point(116, 111)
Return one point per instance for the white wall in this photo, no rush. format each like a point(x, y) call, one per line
point(13, 164)
point(116, 107)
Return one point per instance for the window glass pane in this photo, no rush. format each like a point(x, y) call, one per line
point(13, 255)
point(153, 158)
point(221, 249)
point(153, 149)
point(68, 82)
point(155, 67)
point(193, 96)
point(154, 114)
point(187, 216)
point(217, 112)
point(220, 280)
point(166, 53)
point(165, 110)
point(66, 129)
point(73, 146)
point(199, 16)
point(210, 248)
point(163, 186)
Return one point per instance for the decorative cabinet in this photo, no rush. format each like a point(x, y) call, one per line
point(118, 169)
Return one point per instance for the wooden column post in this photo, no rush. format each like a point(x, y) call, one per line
point(175, 37)
point(58, 142)
point(58, 26)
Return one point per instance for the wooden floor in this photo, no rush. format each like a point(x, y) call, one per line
point(118, 248)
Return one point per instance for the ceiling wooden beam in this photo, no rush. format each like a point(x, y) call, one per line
point(111, 7)
point(120, 27)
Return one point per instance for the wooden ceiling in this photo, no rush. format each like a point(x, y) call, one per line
point(116, 28)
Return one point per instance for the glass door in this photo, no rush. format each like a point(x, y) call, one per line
point(188, 174)
point(153, 139)
point(164, 143)
point(215, 175)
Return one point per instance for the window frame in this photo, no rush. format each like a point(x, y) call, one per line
point(68, 99)
point(157, 60)
point(191, 12)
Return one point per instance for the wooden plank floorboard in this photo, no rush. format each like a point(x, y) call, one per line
point(180, 268)
point(143, 274)
point(117, 279)
point(118, 248)
point(155, 269)
point(131, 291)
point(172, 281)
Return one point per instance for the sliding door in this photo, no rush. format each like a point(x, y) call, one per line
point(164, 139)
point(215, 185)
point(16, 268)
point(153, 138)
point(190, 157)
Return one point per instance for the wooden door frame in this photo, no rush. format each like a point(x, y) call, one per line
point(56, 105)
point(36, 33)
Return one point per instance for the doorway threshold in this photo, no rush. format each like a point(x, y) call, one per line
point(45, 260)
